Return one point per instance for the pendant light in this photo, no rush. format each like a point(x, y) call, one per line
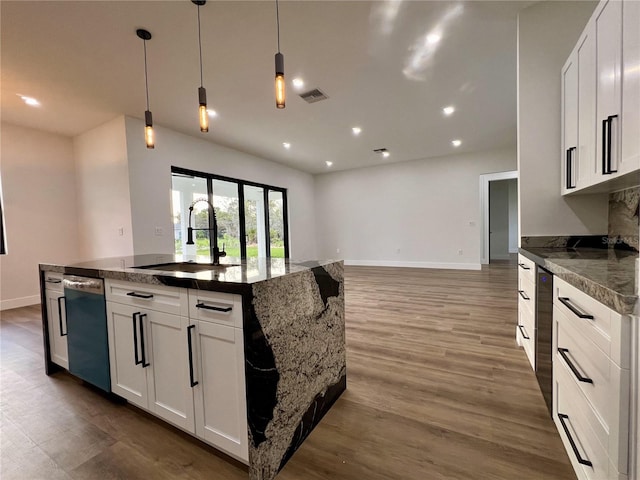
point(280, 93)
point(148, 119)
point(202, 92)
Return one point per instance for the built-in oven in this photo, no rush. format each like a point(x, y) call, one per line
point(544, 334)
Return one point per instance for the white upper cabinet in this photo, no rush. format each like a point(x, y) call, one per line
point(601, 102)
point(630, 148)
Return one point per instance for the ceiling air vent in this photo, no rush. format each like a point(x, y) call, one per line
point(313, 96)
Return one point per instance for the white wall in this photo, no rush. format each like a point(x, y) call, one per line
point(38, 183)
point(513, 215)
point(406, 214)
point(103, 191)
point(150, 186)
point(499, 220)
point(547, 32)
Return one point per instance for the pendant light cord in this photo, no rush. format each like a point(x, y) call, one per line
point(200, 46)
point(146, 79)
point(278, 23)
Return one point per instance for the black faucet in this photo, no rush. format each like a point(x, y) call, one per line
point(215, 251)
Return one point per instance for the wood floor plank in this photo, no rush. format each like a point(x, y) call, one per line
point(436, 389)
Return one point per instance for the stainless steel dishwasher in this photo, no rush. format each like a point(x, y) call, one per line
point(87, 339)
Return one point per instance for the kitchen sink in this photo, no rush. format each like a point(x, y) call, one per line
point(189, 267)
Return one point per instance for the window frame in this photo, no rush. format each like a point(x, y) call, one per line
point(210, 177)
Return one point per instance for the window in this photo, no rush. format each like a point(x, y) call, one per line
point(251, 217)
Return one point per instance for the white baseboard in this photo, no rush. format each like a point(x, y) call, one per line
point(386, 263)
point(19, 302)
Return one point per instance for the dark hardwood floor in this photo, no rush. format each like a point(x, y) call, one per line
point(437, 389)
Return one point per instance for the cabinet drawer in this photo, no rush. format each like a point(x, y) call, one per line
point(526, 292)
point(608, 330)
point(585, 429)
point(153, 297)
point(526, 334)
point(526, 268)
point(53, 281)
point(216, 307)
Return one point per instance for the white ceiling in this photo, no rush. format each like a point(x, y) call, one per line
point(84, 63)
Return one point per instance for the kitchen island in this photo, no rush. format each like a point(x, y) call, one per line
point(292, 337)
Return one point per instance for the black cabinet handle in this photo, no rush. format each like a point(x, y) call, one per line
point(522, 331)
point(189, 344)
point(135, 339)
point(604, 146)
point(609, 127)
point(523, 266)
point(563, 353)
point(62, 332)
point(569, 168)
point(140, 295)
point(567, 303)
point(582, 461)
point(211, 307)
point(523, 295)
point(53, 280)
point(145, 364)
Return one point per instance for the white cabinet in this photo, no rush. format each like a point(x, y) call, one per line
point(630, 148)
point(526, 328)
point(591, 406)
point(150, 362)
point(56, 319)
point(601, 102)
point(220, 395)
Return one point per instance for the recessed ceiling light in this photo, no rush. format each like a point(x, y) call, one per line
point(385, 154)
point(433, 38)
point(212, 113)
point(297, 82)
point(456, 143)
point(448, 110)
point(29, 100)
point(328, 163)
point(286, 145)
point(356, 130)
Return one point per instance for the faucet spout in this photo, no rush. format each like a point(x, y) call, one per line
point(216, 254)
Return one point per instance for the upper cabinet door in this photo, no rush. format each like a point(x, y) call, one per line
point(587, 158)
point(608, 26)
point(630, 148)
point(569, 123)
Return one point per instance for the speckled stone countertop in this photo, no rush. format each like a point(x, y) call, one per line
point(234, 278)
point(610, 276)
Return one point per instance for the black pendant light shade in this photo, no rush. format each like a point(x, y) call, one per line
point(149, 137)
point(280, 90)
point(202, 92)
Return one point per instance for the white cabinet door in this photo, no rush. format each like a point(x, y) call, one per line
point(630, 148)
point(608, 26)
point(166, 352)
point(569, 124)
point(220, 397)
point(57, 328)
point(587, 158)
point(128, 376)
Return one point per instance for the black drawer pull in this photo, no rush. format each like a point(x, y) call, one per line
point(53, 280)
point(523, 266)
point(567, 303)
point(563, 353)
point(211, 307)
point(190, 346)
point(582, 461)
point(523, 295)
point(522, 331)
point(62, 332)
point(140, 295)
point(145, 364)
point(135, 339)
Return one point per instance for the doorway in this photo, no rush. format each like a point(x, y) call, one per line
point(499, 216)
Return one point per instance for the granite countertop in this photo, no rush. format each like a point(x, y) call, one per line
point(234, 278)
point(610, 276)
